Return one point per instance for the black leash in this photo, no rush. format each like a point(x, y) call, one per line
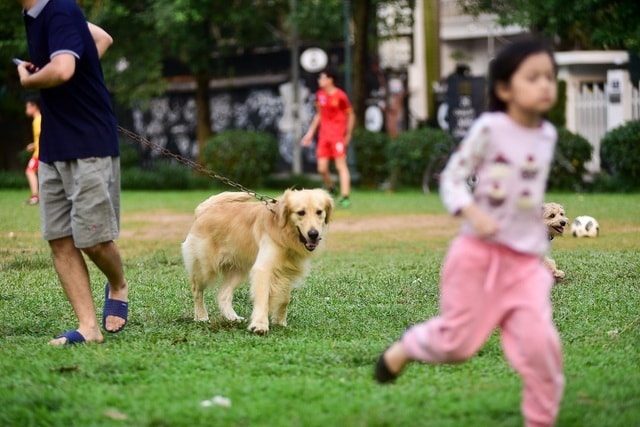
point(198, 167)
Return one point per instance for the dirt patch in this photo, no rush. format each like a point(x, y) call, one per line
point(166, 225)
point(393, 223)
point(156, 225)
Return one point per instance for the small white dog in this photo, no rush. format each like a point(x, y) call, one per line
point(556, 220)
point(234, 237)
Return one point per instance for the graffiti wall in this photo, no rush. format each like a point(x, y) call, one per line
point(170, 120)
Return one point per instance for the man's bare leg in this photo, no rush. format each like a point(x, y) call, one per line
point(323, 170)
point(106, 257)
point(344, 176)
point(74, 276)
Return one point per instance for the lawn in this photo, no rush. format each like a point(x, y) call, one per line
point(378, 274)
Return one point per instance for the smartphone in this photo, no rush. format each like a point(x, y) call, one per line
point(17, 61)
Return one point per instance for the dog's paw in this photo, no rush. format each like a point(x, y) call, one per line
point(279, 322)
point(234, 319)
point(260, 328)
point(230, 315)
point(201, 318)
point(558, 275)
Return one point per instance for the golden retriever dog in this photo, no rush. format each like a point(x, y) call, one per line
point(233, 237)
point(556, 220)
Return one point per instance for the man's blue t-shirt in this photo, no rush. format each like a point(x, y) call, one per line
point(77, 117)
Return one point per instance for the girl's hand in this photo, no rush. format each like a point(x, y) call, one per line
point(483, 224)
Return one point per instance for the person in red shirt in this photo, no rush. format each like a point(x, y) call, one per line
point(32, 109)
point(335, 119)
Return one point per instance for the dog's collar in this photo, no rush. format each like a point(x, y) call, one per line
point(550, 237)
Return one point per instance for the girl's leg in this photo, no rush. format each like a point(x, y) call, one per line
point(468, 306)
point(532, 346)
point(469, 311)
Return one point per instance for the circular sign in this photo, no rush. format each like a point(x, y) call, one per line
point(442, 114)
point(313, 59)
point(373, 118)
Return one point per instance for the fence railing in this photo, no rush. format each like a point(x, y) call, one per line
point(591, 110)
point(635, 103)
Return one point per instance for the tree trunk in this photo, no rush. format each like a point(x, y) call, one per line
point(203, 129)
point(432, 52)
point(361, 43)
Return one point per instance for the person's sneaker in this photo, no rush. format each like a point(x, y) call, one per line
point(333, 191)
point(33, 200)
point(344, 202)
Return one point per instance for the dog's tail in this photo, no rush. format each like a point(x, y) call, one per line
point(225, 197)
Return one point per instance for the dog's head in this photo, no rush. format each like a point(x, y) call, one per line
point(555, 219)
point(307, 212)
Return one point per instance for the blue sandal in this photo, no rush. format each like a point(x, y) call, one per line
point(114, 307)
point(72, 336)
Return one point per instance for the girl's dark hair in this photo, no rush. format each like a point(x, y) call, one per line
point(505, 64)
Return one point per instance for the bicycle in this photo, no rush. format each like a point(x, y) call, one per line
point(437, 163)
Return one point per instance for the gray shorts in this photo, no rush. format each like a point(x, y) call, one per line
point(80, 198)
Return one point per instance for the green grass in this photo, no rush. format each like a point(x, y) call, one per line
point(363, 291)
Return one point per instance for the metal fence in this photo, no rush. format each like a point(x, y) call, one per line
point(591, 111)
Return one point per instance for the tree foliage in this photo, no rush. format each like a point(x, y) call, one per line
point(579, 24)
point(200, 36)
point(133, 65)
point(13, 43)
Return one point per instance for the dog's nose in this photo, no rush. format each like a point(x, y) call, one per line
point(563, 223)
point(313, 234)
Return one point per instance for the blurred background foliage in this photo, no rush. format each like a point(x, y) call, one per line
point(198, 37)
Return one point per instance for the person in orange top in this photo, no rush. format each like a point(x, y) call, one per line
point(335, 118)
point(32, 110)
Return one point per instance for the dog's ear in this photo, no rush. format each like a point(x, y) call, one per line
point(283, 211)
point(328, 208)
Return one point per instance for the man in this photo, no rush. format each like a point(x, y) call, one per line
point(79, 160)
point(336, 119)
point(32, 109)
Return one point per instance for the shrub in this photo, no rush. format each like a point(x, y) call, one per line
point(12, 179)
point(163, 175)
point(557, 114)
point(568, 168)
point(159, 173)
point(282, 181)
point(246, 157)
point(620, 157)
point(409, 154)
point(370, 150)
point(129, 156)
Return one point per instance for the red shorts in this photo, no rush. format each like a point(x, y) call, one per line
point(329, 149)
point(32, 166)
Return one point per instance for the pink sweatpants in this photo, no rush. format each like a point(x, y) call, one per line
point(484, 286)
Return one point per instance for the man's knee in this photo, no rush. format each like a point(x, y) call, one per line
point(95, 250)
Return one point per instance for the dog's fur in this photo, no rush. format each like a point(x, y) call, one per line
point(233, 238)
point(556, 220)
